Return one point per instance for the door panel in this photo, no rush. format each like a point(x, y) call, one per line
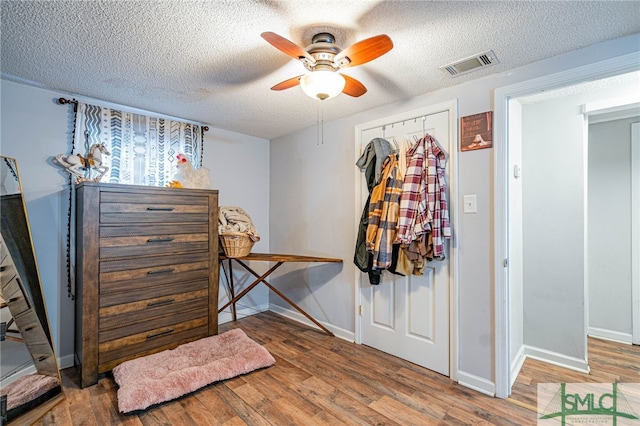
point(382, 309)
point(420, 325)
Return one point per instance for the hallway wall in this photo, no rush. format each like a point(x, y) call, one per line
point(609, 229)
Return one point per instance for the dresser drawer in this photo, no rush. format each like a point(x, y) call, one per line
point(170, 320)
point(175, 198)
point(151, 241)
point(144, 265)
point(43, 359)
point(152, 208)
point(130, 318)
point(30, 330)
point(143, 293)
point(7, 270)
point(7, 275)
point(114, 352)
point(14, 297)
point(3, 251)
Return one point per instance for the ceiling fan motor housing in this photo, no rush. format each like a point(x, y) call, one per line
point(323, 50)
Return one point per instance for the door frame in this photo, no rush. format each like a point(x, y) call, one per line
point(635, 229)
point(502, 96)
point(451, 107)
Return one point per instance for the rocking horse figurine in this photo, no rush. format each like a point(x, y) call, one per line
point(77, 164)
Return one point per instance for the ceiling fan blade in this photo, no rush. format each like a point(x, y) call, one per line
point(364, 51)
point(287, 47)
point(353, 87)
point(287, 84)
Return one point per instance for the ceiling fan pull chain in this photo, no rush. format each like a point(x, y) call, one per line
point(320, 124)
point(322, 121)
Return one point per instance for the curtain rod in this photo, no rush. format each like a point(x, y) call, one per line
point(64, 101)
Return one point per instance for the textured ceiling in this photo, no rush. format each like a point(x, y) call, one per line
point(205, 60)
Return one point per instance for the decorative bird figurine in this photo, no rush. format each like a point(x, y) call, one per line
point(188, 177)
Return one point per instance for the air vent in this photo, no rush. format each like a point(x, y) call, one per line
point(471, 63)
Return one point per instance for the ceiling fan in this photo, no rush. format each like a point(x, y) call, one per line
point(323, 59)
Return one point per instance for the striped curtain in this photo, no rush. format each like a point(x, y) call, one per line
point(143, 149)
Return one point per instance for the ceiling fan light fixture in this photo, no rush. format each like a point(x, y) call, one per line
point(322, 84)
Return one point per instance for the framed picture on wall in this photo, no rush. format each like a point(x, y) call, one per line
point(476, 131)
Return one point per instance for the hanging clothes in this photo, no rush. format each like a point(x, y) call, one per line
point(423, 222)
point(383, 214)
point(404, 146)
point(437, 193)
point(370, 162)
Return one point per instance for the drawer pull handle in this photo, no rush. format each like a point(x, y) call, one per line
point(161, 271)
point(160, 240)
point(162, 333)
point(160, 303)
point(14, 299)
point(3, 268)
point(161, 209)
point(29, 329)
point(42, 358)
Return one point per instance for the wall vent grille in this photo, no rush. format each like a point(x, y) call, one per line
point(471, 63)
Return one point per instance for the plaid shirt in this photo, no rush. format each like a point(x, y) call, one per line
point(383, 213)
point(423, 203)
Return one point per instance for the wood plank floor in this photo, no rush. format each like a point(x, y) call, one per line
point(609, 362)
point(322, 380)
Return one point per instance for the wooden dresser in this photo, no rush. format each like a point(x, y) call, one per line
point(147, 272)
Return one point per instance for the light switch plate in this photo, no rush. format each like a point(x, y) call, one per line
point(470, 204)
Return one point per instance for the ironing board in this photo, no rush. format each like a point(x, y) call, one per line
point(279, 260)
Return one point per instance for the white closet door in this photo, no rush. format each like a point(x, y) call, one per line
point(409, 316)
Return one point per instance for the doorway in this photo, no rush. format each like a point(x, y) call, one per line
point(553, 305)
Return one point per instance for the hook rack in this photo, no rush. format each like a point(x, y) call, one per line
point(392, 124)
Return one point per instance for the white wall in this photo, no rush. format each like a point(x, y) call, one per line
point(239, 167)
point(34, 128)
point(308, 217)
point(328, 197)
point(553, 222)
point(609, 233)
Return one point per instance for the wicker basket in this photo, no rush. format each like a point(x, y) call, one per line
point(236, 244)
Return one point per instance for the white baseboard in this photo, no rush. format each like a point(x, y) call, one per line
point(614, 336)
point(558, 359)
point(516, 364)
point(297, 316)
point(476, 383)
point(31, 369)
point(241, 312)
point(65, 361)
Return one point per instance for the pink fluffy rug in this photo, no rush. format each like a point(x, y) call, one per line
point(169, 374)
point(28, 388)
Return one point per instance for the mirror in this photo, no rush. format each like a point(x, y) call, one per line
point(30, 381)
